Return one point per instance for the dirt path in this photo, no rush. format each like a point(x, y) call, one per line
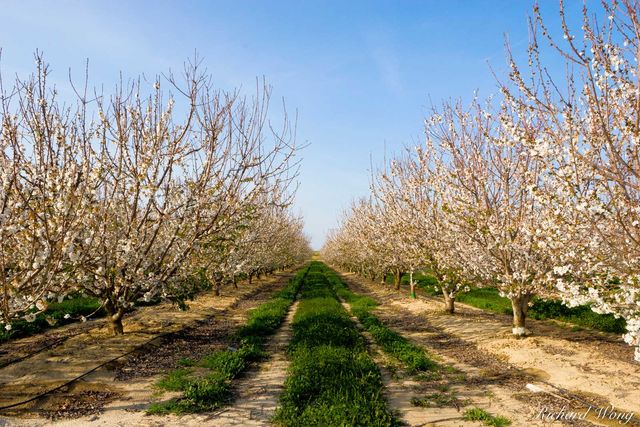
point(502, 366)
point(83, 352)
point(258, 392)
point(15, 350)
point(447, 394)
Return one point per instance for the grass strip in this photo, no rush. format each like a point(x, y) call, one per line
point(412, 356)
point(213, 389)
point(332, 379)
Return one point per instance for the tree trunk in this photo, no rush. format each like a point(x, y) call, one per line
point(412, 285)
point(217, 287)
point(250, 278)
point(384, 278)
point(448, 302)
point(235, 281)
point(520, 305)
point(397, 278)
point(116, 325)
point(115, 318)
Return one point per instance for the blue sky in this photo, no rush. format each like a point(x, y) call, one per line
point(361, 74)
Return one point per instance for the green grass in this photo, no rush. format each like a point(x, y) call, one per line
point(423, 281)
point(489, 299)
point(413, 357)
point(54, 316)
point(542, 309)
point(211, 391)
point(186, 361)
point(176, 380)
point(202, 394)
point(228, 363)
point(581, 316)
point(332, 379)
point(78, 306)
point(478, 414)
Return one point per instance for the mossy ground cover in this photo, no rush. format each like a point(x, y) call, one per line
point(206, 383)
point(332, 379)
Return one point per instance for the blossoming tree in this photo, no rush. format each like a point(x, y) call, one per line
point(43, 187)
point(114, 207)
point(589, 142)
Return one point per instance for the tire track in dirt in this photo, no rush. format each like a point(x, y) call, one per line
point(83, 353)
point(258, 392)
point(501, 385)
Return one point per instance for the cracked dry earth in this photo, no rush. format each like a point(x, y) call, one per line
point(490, 369)
point(118, 393)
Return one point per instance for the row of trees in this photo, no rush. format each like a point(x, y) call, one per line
point(123, 196)
point(536, 192)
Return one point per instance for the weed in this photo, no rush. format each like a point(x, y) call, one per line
point(176, 380)
point(478, 414)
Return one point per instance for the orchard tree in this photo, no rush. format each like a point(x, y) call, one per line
point(44, 180)
point(415, 184)
point(170, 181)
point(112, 198)
point(589, 141)
point(402, 223)
point(487, 184)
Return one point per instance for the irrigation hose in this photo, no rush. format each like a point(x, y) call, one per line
point(136, 348)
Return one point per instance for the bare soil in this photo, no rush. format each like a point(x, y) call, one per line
point(575, 368)
point(258, 392)
point(118, 392)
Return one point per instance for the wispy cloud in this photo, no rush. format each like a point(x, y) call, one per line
point(384, 56)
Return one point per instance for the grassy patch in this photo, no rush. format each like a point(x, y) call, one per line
point(176, 380)
point(202, 394)
point(410, 355)
point(208, 392)
point(422, 280)
point(185, 361)
point(332, 379)
point(542, 309)
point(489, 299)
point(228, 363)
point(581, 316)
point(486, 299)
point(478, 414)
point(56, 314)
